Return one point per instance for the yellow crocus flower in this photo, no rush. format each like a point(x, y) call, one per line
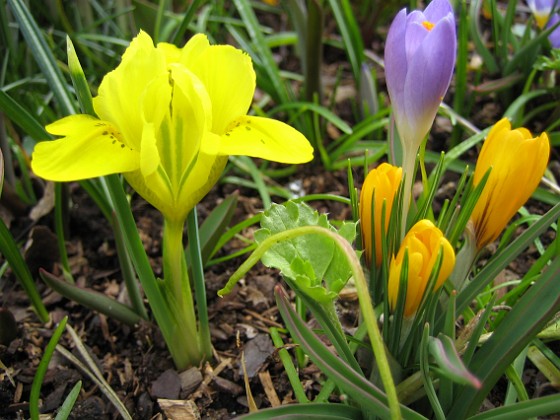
point(168, 119)
point(518, 162)
point(380, 186)
point(423, 243)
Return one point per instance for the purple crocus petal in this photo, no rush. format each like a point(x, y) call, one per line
point(437, 10)
point(428, 77)
point(554, 36)
point(415, 34)
point(395, 60)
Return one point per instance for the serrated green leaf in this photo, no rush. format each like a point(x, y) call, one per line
point(308, 260)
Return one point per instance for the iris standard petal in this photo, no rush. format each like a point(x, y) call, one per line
point(229, 78)
point(267, 139)
point(90, 148)
point(191, 117)
point(120, 93)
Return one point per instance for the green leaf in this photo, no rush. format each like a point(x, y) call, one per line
point(92, 299)
point(307, 411)
point(370, 398)
point(66, 407)
point(310, 259)
point(42, 369)
point(10, 250)
point(442, 349)
point(518, 328)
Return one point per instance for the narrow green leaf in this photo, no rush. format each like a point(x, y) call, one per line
point(214, 226)
point(66, 407)
point(92, 299)
point(307, 411)
point(367, 395)
point(79, 79)
point(518, 328)
point(42, 370)
point(537, 407)
point(43, 55)
point(19, 116)
point(499, 262)
point(1, 172)
point(11, 253)
point(442, 349)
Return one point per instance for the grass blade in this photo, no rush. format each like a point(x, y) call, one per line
point(42, 369)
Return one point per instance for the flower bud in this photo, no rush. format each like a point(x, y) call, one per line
point(380, 187)
point(518, 162)
point(423, 243)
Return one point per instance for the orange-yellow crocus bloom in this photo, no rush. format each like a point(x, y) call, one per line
point(380, 186)
point(423, 243)
point(518, 161)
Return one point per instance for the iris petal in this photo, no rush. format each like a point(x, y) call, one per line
point(267, 139)
point(120, 93)
point(90, 148)
point(231, 91)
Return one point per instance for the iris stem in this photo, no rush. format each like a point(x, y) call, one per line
point(178, 289)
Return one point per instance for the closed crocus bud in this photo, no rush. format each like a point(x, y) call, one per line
point(380, 187)
point(419, 60)
point(422, 243)
point(518, 161)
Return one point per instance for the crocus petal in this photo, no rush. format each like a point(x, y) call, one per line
point(428, 78)
point(90, 148)
point(423, 244)
point(231, 91)
point(437, 10)
point(120, 93)
point(396, 65)
point(554, 36)
point(267, 139)
point(518, 162)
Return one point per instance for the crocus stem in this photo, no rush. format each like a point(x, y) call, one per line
point(179, 295)
point(366, 305)
point(409, 162)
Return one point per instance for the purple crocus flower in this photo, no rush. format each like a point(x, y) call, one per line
point(419, 60)
point(554, 36)
point(541, 10)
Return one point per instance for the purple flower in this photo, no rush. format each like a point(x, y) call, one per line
point(419, 60)
point(541, 10)
point(554, 36)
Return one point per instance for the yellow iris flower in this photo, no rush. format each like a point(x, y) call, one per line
point(168, 119)
point(423, 243)
point(380, 186)
point(518, 162)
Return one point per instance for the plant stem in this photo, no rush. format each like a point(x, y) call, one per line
point(366, 305)
point(178, 289)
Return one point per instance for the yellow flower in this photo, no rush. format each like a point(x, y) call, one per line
point(518, 162)
point(168, 119)
point(423, 243)
point(380, 186)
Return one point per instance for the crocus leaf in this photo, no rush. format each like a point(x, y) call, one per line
point(443, 351)
point(311, 259)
